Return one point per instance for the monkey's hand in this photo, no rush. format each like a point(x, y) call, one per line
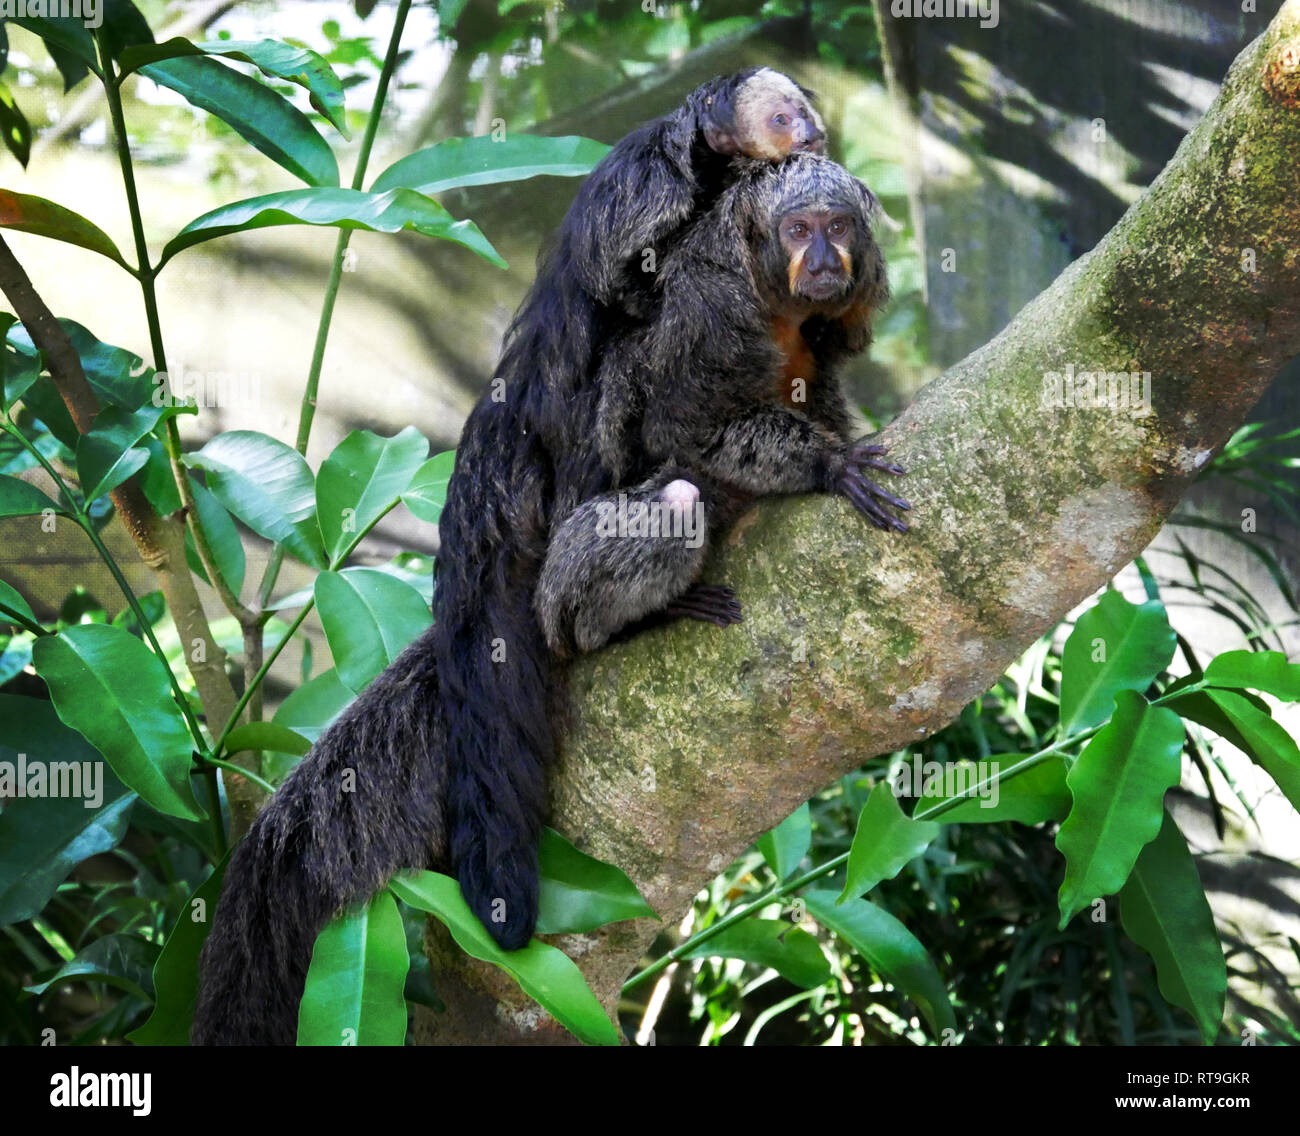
point(865, 495)
point(709, 603)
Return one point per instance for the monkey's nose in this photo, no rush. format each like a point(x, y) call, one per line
point(814, 140)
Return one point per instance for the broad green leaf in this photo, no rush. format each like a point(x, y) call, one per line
point(311, 708)
point(223, 538)
point(1118, 784)
point(267, 485)
point(354, 993)
point(890, 949)
point(69, 43)
point(392, 212)
point(12, 603)
point(1164, 910)
point(43, 838)
point(427, 492)
point(787, 844)
point(546, 974)
point(121, 960)
point(886, 839)
point(361, 479)
point(259, 115)
point(580, 893)
point(110, 687)
point(26, 213)
point(106, 456)
point(1032, 796)
point(266, 735)
point(369, 618)
point(118, 376)
point(1114, 646)
point(1267, 742)
point(272, 57)
point(1256, 670)
point(15, 127)
point(777, 943)
point(19, 499)
point(176, 973)
point(18, 369)
point(484, 161)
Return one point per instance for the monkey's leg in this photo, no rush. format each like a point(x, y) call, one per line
point(622, 556)
point(770, 450)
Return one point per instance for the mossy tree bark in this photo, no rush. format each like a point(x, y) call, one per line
point(689, 742)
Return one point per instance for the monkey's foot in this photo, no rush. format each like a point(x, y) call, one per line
point(865, 495)
point(710, 603)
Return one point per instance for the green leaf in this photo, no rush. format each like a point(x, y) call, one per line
point(267, 485)
point(369, 617)
point(26, 213)
point(259, 115)
point(121, 960)
point(1164, 910)
point(311, 708)
point(223, 538)
point(1256, 670)
point(886, 839)
point(12, 603)
point(15, 127)
point(1267, 741)
point(19, 499)
point(485, 161)
point(118, 376)
point(546, 974)
point(787, 844)
point(266, 735)
point(890, 949)
point(354, 993)
point(1118, 785)
point(392, 212)
point(43, 838)
point(1032, 796)
point(361, 480)
point(69, 43)
point(776, 943)
point(111, 688)
point(580, 893)
point(176, 973)
point(105, 453)
point(1114, 646)
point(427, 492)
point(272, 57)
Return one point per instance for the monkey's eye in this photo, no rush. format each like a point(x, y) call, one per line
point(837, 228)
point(780, 120)
point(798, 230)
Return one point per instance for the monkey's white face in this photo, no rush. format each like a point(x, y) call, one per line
point(774, 119)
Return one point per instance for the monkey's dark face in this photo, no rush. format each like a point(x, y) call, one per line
point(765, 116)
point(819, 242)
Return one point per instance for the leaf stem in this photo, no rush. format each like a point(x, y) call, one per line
point(307, 409)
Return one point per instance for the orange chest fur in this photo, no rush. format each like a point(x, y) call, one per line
point(797, 364)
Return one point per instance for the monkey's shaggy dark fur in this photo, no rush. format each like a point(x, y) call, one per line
point(466, 708)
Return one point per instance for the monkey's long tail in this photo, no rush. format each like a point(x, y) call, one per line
point(368, 800)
